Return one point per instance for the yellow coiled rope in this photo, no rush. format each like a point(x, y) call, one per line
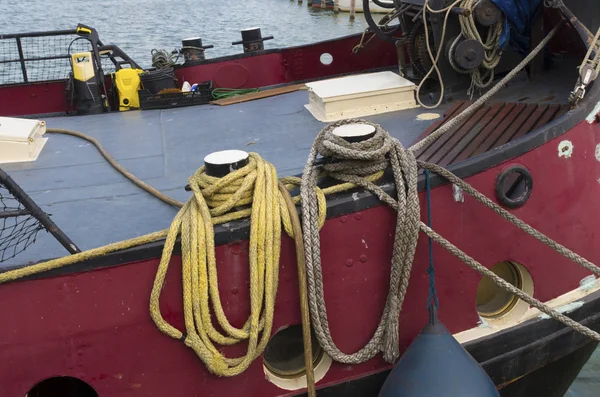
point(254, 184)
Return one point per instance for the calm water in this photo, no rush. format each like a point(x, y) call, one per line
point(141, 25)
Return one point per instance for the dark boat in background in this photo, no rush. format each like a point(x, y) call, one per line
point(533, 148)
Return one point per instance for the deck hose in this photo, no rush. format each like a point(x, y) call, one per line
point(257, 184)
point(220, 93)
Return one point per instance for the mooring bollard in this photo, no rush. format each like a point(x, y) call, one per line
point(355, 132)
point(219, 164)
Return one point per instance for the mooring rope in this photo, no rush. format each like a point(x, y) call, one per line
point(117, 166)
point(255, 183)
point(357, 160)
point(352, 161)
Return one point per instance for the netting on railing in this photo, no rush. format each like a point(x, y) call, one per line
point(44, 58)
point(18, 228)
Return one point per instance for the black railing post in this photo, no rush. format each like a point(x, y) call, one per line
point(22, 60)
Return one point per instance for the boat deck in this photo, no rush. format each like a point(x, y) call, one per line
point(95, 205)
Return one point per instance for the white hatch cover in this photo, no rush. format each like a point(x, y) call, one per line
point(361, 95)
point(21, 139)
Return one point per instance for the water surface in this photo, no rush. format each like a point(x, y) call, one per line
point(139, 26)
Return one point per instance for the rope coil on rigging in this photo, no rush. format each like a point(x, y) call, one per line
point(492, 52)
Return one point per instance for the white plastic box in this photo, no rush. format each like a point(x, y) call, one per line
point(21, 139)
point(360, 95)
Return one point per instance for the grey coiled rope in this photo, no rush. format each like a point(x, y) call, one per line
point(353, 162)
point(358, 161)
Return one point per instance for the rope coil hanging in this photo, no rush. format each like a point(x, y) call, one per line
point(469, 30)
point(255, 183)
point(355, 161)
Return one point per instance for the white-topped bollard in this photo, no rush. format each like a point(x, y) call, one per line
point(219, 164)
point(355, 132)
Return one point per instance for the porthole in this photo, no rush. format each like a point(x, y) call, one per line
point(326, 58)
point(64, 386)
point(284, 354)
point(495, 303)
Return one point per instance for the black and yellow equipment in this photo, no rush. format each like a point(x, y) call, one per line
point(85, 84)
point(127, 83)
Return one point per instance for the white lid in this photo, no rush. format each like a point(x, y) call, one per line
point(360, 84)
point(19, 130)
point(226, 157)
point(353, 130)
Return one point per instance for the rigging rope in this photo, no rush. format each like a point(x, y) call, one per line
point(162, 59)
point(491, 46)
point(434, 59)
point(485, 97)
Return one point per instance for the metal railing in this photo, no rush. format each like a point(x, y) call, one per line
point(45, 56)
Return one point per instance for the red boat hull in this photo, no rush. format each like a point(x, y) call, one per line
point(97, 327)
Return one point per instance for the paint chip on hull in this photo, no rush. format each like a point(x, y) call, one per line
point(568, 308)
point(597, 153)
point(565, 149)
point(483, 324)
point(457, 192)
point(592, 116)
point(587, 283)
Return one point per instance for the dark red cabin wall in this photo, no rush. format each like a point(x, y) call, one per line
point(293, 64)
point(305, 62)
point(36, 98)
point(260, 70)
point(96, 326)
point(250, 72)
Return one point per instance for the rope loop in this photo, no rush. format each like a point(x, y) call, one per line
point(253, 191)
point(358, 164)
